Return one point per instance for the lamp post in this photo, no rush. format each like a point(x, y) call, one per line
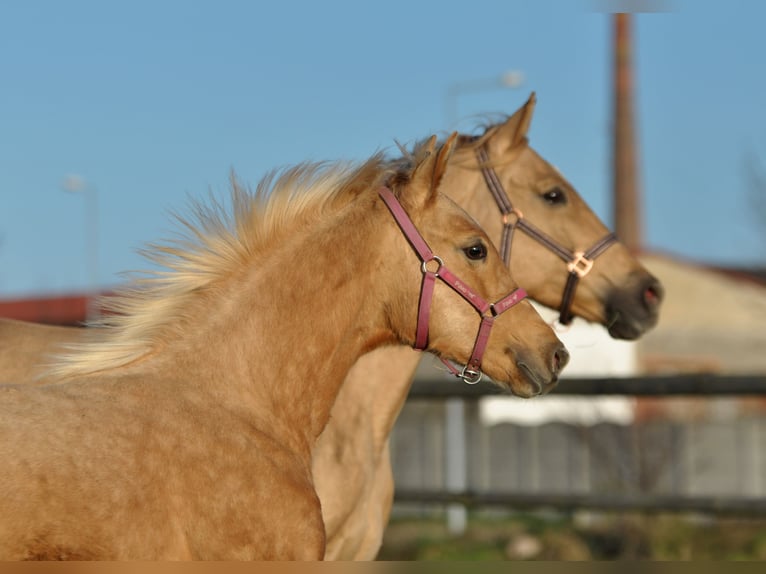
point(456, 460)
point(76, 184)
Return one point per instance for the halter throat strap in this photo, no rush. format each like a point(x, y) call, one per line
point(579, 263)
point(433, 268)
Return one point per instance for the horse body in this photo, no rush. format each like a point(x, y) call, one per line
point(160, 479)
point(223, 409)
point(186, 430)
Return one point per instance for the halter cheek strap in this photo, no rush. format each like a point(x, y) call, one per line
point(471, 373)
point(579, 267)
point(579, 263)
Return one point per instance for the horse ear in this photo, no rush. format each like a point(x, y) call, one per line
point(442, 159)
point(429, 172)
point(422, 174)
point(514, 130)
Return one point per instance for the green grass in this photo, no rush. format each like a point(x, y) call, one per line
point(585, 537)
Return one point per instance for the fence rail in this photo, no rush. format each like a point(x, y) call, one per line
point(650, 386)
point(741, 507)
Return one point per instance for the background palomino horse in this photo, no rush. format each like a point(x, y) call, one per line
point(186, 431)
point(351, 460)
point(352, 467)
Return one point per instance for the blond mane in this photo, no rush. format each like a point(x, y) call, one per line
point(212, 243)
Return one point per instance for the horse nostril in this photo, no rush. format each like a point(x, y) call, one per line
point(652, 294)
point(560, 359)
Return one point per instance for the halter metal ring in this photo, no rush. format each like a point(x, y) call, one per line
point(580, 265)
point(469, 376)
point(514, 212)
point(439, 262)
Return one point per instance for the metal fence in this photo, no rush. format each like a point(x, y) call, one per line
point(709, 464)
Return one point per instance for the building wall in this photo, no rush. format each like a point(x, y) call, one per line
point(53, 310)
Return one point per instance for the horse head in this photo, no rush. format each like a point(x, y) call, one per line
point(557, 247)
point(471, 288)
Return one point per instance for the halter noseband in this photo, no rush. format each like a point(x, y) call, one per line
point(471, 372)
point(579, 263)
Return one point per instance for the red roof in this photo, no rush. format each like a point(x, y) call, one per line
point(62, 310)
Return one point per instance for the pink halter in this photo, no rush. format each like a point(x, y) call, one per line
point(471, 373)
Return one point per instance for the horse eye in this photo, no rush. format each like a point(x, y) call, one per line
point(476, 252)
point(555, 196)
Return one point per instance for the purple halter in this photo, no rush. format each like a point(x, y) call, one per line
point(471, 372)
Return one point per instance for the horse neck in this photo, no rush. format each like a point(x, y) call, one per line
point(372, 396)
point(278, 339)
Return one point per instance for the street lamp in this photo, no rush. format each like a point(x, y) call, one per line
point(76, 184)
point(509, 79)
point(456, 460)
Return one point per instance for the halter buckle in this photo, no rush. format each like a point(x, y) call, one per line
point(439, 262)
point(580, 265)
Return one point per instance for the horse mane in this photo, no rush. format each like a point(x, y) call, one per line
point(212, 243)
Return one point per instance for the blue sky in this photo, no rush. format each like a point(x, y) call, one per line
point(152, 101)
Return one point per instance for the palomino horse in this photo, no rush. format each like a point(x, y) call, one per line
point(351, 462)
point(352, 467)
point(186, 431)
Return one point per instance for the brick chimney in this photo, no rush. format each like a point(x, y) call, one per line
point(628, 216)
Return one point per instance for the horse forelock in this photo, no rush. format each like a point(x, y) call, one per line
point(214, 241)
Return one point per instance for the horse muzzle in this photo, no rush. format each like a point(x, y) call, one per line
point(539, 379)
point(634, 310)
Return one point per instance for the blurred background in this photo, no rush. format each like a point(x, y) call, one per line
point(113, 114)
